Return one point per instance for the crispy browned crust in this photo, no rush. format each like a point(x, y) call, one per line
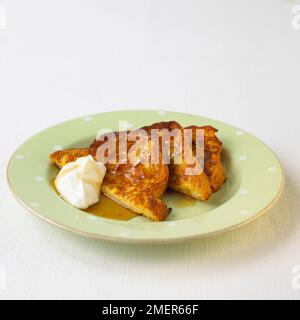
point(133, 197)
point(196, 186)
point(62, 157)
point(136, 187)
point(213, 167)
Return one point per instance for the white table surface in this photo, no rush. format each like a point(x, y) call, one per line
point(235, 61)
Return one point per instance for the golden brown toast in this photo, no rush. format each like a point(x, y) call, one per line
point(139, 193)
point(135, 186)
point(62, 157)
point(212, 156)
point(196, 186)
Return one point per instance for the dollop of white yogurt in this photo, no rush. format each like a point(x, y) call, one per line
point(79, 182)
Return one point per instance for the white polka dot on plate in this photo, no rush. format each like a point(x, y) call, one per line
point(87, 119)
point(161, 113)
point(39, 179)
point(35, 204)
point(172, 224)
point(103, 131)
point(244, 212)
point(244, 191)
point(19, 157)
point(239, 132)
point(58, 148)
point(124, 234)
point(243, 157)
point(125, 125)
point(272, 169)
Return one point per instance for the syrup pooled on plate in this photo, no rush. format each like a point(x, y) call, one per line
point(106, 208)
point(178, 200)
point(184, 202)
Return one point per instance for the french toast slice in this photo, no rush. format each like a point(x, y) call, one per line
point(135, 186)
point(213, 167)
point(140, 191)
point(196, 186)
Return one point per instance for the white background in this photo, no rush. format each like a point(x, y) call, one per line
point(235, 61)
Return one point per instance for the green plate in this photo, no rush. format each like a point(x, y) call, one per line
point(255, 181)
